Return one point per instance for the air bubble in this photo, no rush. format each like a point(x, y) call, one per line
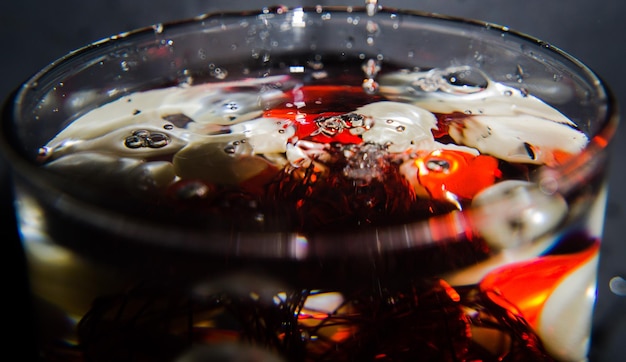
point(219, 73)
point(134, 142)
point(157, 140)
point(141, 133)
point(438, 165)
point(400, 128)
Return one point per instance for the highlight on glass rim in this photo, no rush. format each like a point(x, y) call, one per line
point(312, 184)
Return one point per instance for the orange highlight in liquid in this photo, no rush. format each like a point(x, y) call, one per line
point(523, 288)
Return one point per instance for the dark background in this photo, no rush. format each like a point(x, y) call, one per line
point(35, 32)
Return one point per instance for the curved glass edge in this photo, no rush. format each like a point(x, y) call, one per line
point(441, 229)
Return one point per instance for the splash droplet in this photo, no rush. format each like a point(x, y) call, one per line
point(371, 6)
point(370, 86)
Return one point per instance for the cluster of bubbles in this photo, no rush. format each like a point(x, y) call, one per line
point(144, 138)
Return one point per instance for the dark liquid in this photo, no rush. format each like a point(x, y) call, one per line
point(394, 306)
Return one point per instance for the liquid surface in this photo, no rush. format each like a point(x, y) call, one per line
point(278, 153)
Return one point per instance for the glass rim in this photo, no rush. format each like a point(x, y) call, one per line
point(447, 228)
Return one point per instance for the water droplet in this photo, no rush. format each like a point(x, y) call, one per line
point(371, 68)
point(370, 86)
point(617, 285)
point(508, 93)
point(43, 152)
point(371, 7)
point(158, 28)
point(372, 27)
point(400, 128)
point(168, 127)
point(124, 65)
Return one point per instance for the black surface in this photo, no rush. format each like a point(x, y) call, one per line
point(35, 33)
